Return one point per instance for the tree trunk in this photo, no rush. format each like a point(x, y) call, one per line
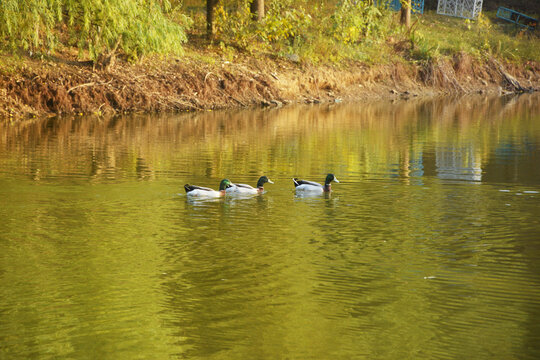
point(257, 9)
point(210, 18)
point(406, 13)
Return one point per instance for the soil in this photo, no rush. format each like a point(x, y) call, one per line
point(61, 85)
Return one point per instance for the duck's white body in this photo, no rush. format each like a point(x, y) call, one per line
point(242, 189)
point(313, 188)
point(310, 188)
point(205, 193)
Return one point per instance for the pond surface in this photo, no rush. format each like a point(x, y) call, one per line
point(428, 248)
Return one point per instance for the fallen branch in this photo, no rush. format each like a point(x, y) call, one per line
point(88, 84)
point(511, 81)
point(207, 75)
point(238, 101)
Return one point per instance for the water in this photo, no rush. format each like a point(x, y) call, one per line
point(428, 248)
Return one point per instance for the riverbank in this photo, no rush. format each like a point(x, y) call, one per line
point(438, 55)
point(353, 52)
point(60, 85)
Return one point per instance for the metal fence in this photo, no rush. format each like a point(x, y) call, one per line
point(468, 9)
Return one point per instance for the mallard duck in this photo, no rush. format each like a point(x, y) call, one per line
point(199, 191)
point(313, 187)
point(244, 189)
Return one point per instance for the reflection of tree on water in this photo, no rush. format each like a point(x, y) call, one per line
point(411, 164)
point(143, 171)
point(377, 138)
point(458, 163)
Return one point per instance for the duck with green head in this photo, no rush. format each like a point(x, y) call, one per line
point(199, 191)
point(244, 189)
point(304, 186)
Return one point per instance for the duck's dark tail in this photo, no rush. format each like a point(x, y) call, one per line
point(295, 182)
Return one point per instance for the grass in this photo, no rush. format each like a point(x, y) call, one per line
point(486, 37)
point(432, 36)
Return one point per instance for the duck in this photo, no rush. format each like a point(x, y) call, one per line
point(244, 189)
point(199, 191)
point(313, 187)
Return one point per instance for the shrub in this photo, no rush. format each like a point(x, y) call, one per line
point(282, 23)
point(355, 20)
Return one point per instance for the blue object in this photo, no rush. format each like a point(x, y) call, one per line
point(417, 5)
point(516, 18)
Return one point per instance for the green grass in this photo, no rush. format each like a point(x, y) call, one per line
point(432, 36)
point(485, 37)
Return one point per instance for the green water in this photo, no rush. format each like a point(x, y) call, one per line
point(428, 248)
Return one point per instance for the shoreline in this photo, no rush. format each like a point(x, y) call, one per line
point(60, 86)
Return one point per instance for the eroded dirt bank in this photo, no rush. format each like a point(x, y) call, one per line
point(55, 86)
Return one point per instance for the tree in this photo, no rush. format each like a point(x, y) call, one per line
point(405, 16)
point(210, 30)
point(257, 9)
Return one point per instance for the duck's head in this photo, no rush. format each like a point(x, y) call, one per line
point(330, 178)
point(225, 183)
point(263, 180)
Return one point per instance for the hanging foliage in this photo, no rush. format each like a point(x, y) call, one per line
point(98, 26)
